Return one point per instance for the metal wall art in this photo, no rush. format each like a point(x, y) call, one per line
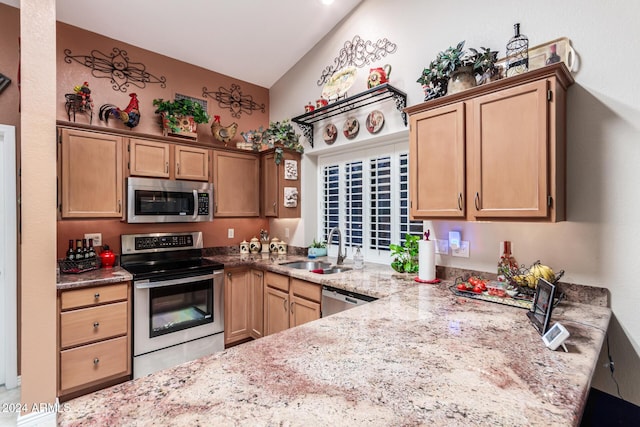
point(234, 100)
point(117, 67)
point(359, 53)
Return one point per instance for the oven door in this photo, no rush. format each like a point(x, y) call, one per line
point(174, 310)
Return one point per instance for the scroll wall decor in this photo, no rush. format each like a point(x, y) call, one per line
point(358, 53)
point(234, 100)
point(117, 67)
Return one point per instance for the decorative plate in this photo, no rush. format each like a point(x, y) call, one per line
point(330, 133)
point(339, 83)
point(375, 120)
point(351, 128)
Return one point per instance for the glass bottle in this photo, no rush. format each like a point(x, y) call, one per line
point(517, 53)
point(85, 249)
point(507, 263)
point(79, 253)
point(92, 251)
point(71, 253)
point(358, 259)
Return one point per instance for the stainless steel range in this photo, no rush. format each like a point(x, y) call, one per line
point(178, 300)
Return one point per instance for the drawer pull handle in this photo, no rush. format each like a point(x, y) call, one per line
point(96, 295)
point(96, 324)
point(96, 361)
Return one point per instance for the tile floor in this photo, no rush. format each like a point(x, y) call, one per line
point(8, 397)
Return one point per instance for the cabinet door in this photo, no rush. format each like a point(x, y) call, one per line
point(91, 174)
point(269, 185)
point(303, 311)
point(276, 311)
point(192, 163)
point(236, 180)
point(437, 162)
point(256, 305)
point(148, 158)
point(510, 153)
point(237, 294)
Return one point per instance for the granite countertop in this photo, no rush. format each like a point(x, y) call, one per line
point(419, 355)
point(101, 276)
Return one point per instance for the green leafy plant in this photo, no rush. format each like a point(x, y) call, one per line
point(278, 135)
point(316, 244)
point(435, 77)
point(180, 107)
point(405, 256)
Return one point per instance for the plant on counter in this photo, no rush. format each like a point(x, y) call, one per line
point(278, 135)
point(435, 77)
point(172, 110)
point(405, 256)
point(318, 248)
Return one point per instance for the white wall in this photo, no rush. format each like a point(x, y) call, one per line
point(597, 245)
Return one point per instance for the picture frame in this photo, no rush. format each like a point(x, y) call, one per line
point(540, 312)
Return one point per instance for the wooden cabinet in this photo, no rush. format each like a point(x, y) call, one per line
point(236, 183)
point(493, 152)
point(243, 304)
point(289, 302)
point(157, 159)
point(90, 173)
point(279, 184)
point(94, 338)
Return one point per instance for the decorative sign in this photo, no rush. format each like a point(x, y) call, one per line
point(234, 100)
point(290, 169)
point(117, 67)
point(358, 53)
point(290, 197)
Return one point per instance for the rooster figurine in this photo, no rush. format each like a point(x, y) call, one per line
point(130, 116)
point(223, 133)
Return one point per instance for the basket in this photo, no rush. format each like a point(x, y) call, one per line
point(523, 270)
point(74, 267)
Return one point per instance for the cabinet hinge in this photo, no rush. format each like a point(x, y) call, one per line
point(549, 201)
point(549, 95)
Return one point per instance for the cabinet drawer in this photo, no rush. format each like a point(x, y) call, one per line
point(92, 296)
point(93, 323)
point(93, 362)
point(277, 281)
point(310, 291)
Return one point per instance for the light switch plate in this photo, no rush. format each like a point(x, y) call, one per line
point(442, 247)
point(97, 238)
point(462, 251)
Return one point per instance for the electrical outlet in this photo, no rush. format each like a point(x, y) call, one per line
point(462, 251)
point(230, 233)
point(442, 247)
point(97, 238)
point(286, 232)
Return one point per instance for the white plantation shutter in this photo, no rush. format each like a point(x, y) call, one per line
point(366, 194)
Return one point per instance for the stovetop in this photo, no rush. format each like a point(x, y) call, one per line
point(143, 270)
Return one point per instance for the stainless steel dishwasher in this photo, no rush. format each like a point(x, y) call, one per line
point(336, 300)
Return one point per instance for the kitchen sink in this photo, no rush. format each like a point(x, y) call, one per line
point(333, 270)
point(307, 265)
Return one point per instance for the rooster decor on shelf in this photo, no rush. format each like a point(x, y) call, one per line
point(130, 116)
point(223, 133)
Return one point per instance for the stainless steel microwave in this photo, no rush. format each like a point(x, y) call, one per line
point(161, 200)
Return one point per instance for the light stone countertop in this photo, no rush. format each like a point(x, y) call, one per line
point(417, 356)
point(101, 276)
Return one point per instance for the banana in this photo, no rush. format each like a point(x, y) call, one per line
point(538, 270)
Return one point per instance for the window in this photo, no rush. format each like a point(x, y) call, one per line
point(366, 195)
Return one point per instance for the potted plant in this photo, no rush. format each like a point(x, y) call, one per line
point(405, 256)
point(278, 135)
point(318, 248)
point(455, 62)
point(181, 116)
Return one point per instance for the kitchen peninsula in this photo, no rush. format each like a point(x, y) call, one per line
point(419, 355)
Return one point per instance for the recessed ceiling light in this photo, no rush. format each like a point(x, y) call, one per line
point(327, 2)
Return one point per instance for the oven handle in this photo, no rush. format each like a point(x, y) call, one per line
point(148, 285)
point(195, 204)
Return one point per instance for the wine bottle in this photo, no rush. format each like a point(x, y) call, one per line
point(92, 251)
point(85, 249)
point(71, 253)
point(79, 253)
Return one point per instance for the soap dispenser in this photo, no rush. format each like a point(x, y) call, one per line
point(358, 259)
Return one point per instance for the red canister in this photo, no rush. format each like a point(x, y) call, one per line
point(107, 257)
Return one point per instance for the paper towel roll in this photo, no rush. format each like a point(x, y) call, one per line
point(427, 260)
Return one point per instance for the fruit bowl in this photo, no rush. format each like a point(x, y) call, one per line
point(525, 279)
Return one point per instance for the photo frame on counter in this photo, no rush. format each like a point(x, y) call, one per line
point(540, 312)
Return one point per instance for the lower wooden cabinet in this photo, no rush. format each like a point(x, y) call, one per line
point(94, 338)
point(289, 302)
point(243, 304)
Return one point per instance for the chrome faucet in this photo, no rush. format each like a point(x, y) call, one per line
point(341, 257)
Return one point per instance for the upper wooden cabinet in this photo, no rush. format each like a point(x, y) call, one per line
point(162, 160)
point(281, 185)
point(90, 170)
point(493, 152)
point(236, 183)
